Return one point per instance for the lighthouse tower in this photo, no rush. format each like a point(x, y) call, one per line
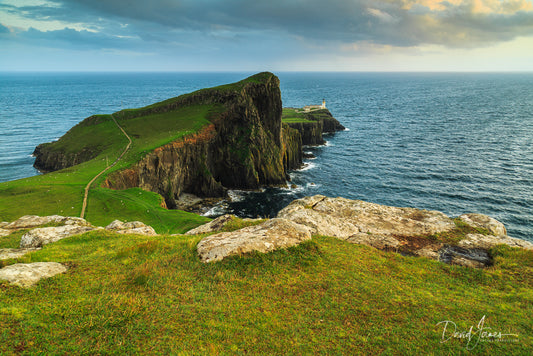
point(323, 106)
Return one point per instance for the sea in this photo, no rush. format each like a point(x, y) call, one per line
point(453, 142)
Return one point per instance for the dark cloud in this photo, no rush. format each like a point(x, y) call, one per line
point(385, 22)
point(345, 21)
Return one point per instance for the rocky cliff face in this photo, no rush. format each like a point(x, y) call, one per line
point(317, 123)
point(244, 147)
point(50, 160)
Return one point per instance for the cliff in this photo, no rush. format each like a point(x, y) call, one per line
point(311, 125)
point(240, 144)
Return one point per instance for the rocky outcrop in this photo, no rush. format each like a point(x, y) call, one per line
point(13, 253)
point(45, 235)
point(132, 227)
point(218, 224)
point(28, 274)
point(484, 222)
point(344, 218)
point(268, 236)
point(486, 242)
point(314, 124)
point(406, 230)
point(29, 221)
point(212, 226)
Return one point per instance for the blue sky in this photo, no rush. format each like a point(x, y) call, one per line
point(276, 35)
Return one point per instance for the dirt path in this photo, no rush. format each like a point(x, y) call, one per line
point(88, 187)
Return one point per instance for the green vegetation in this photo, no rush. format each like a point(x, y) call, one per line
point(151, 295)
point(61, 192)
point(294, 115)
point(459, 233)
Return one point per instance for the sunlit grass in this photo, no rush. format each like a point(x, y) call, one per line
point(126, 294)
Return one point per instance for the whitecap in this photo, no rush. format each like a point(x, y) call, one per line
point(236, 195)
point(307, 166)
point(217, 210)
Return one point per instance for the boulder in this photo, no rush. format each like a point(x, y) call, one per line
point(30, 221)
point(132, 227)
point(485, 222)
point(28, 274)
point(45, 235)
point(212, 226)
point(479, 241)
point(344, 218)
point(5, 232)
point(8, 253)
point(269, 236)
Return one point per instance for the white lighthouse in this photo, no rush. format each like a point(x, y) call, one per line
point(323, 106)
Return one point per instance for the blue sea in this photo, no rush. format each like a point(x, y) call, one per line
point(451, 142)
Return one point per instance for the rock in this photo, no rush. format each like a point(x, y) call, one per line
point(468, 257)
point(187, 201)
point(486, 242)
point(9, 253)
point(212, 226)
point(29, 221)
point(45, 235)
point(271, 235)
point(28, 274)
point(132, 227)
point(145, 230)
point(115, 225)
point(429, 251)
point(5, 232)
point(343, 218)
point(485, 222)
point(3, 223)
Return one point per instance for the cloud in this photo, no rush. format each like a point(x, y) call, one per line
point(4, 29)
point(453, 23)
point(243, 31)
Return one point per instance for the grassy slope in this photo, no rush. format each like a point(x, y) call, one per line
point(291, 115)
point(62, 192)
point(125, 294)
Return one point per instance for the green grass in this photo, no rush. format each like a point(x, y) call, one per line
point(151, 295)
point(61, 192)
point(294, 115)
point(290, 120)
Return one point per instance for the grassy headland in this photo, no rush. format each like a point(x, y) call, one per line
point(293, 115)
point(61, 192)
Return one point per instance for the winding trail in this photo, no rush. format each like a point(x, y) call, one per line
point(88, 187)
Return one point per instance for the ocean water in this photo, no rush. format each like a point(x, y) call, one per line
point(456, 143)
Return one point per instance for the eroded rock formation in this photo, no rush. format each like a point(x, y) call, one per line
point(406, 230)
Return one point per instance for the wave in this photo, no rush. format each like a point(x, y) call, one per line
point(307, 166)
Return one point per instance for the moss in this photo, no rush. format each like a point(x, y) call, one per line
point(458, 233)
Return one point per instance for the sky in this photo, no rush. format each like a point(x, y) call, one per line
point(257, 35)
